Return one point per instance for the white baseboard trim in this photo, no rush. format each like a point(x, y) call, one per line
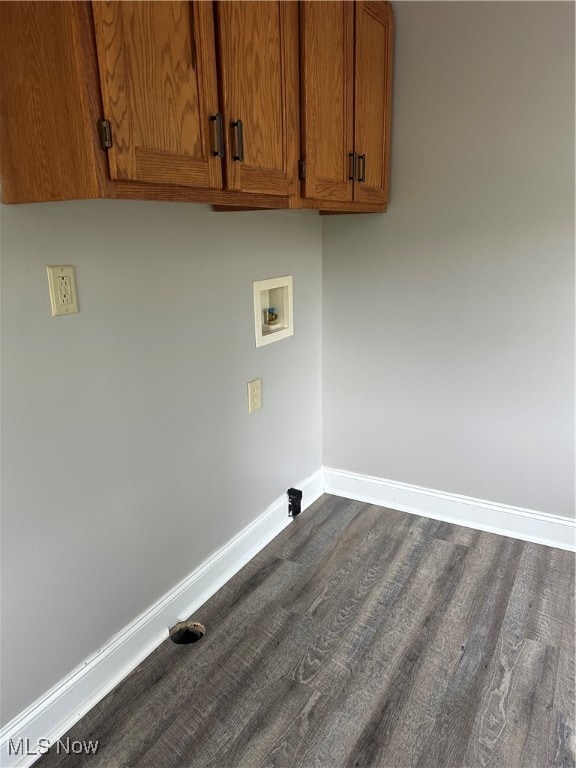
point(519, 523)
point(63, 705)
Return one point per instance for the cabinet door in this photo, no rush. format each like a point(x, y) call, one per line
point(48, 142)
point(327, 80)
point(158, 77)
point(258, 59)
point(373, 92)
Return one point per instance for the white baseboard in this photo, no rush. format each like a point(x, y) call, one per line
point(63, 705)
point(519, 523)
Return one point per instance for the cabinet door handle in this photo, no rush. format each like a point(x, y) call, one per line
point(352, 173)
point(218, 139)
point(239, 140)
point(361, 167)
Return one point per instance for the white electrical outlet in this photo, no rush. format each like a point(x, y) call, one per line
point(62, 284)
point(254, 395)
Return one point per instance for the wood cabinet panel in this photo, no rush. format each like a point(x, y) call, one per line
point(257, 45)
point(327, 72)
point(48, 104)
point(158, 77)
point(346, 65)
point(373, 68)
point(314, 74)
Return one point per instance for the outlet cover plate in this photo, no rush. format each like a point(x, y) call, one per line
point(254, 395)
point(62, 285)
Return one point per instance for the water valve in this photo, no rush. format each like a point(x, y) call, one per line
point(294, 501)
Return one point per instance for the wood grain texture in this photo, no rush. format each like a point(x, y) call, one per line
point(373, 97)
point(346, 97)
point(258, 78)
point(150, 67)
point(158, 78)
point(360, 637)
point(133, 190)
point(327, 98)
point(333, 206)
point(48, 104)
point(561, 741)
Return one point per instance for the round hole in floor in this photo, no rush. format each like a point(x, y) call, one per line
point(186, 632)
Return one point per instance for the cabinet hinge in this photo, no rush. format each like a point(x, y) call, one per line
point(105, 134)
point(302, 169)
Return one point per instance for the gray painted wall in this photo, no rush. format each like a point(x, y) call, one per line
point(448, 322)
point(128, 453)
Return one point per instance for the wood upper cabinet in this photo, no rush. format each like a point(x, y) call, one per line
point(327, 71)
point(173, 91)
point(226, 102)
point(372, 100)
point(157, 64)
point(48, 143)
point(346, 81)
point(258, 58)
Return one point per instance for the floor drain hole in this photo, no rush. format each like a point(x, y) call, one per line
point(187, 632)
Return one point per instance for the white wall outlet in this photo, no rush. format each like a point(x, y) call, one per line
point(62, 284)
point(254, 395)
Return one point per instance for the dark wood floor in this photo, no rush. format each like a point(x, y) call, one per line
point(360, 637)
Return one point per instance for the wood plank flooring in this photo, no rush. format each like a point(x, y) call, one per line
point(360, 638)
